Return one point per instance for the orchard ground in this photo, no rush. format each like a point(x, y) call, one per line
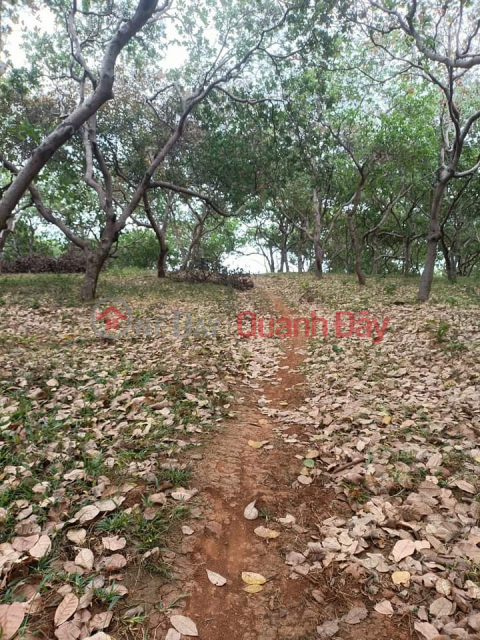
point(129, 466)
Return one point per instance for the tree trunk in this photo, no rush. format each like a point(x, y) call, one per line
point(300, 262)
point(160, 232)
point(449, 261)
point(357, 251)
point(3, 240)
point(318, 260)
point(356, 245)
point(271, 262)
point(162, 261)
point(95, 262)
point(406, 257)
point(317, 236)
point(375, 261)
point(192, 253)
point(433, 236)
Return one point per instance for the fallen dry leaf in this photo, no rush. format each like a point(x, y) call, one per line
point(403, 549)
point(328, 629)
point(426, 630)
point(85, 559)
point(188, 531)
point(355, 615)
point(86, 514)
point(77, 536)
point(384, 607)
point(41, 548)
point(11, 618)
point(113, 543)
point(66, 609)
point(184, 494)
point(401, 577)
point(253, 578)
point(266, 533)
point(253, 588)
point(185, 626)
point(441, 607)
point(216, 578)
point(113, 562)
point(256, 444)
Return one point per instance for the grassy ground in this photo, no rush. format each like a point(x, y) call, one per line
point(84, 420)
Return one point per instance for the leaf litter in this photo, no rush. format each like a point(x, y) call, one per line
point(390, 429)
point(411, 406)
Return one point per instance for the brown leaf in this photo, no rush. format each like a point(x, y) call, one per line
point(216, 578)
point(401, 577)
point(85, 559)
point(101, 620)
point(23, 544)
point(355, 615)
point(41, 548)
point(184, 494)
point(403, 549)
point(68, 631)
point(77, 536)
point(66, 609)
point(441, 607)
point(86, 514)
point(385, 608)
point(114, 562)
point(265, 532)
point(185, 626)
point(114, 543)
point(11, 618)
point(426, 630)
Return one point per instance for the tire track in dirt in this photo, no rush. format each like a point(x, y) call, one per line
point(232, 475)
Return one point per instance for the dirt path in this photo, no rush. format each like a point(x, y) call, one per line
point(232, 475)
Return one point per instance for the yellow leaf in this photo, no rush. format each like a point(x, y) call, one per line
point(253, 578)
point(253, 588)
point(264, 532)
point(401, 577)
point(387, 419)
point(257, 445)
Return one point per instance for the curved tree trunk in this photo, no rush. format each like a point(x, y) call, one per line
point(449, 261)
point(162, 261)
point(67, 129)
point(433, 236)
point(95, 262)
point(160, 232)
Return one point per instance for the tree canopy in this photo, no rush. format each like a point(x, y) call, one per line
point(321, 135)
